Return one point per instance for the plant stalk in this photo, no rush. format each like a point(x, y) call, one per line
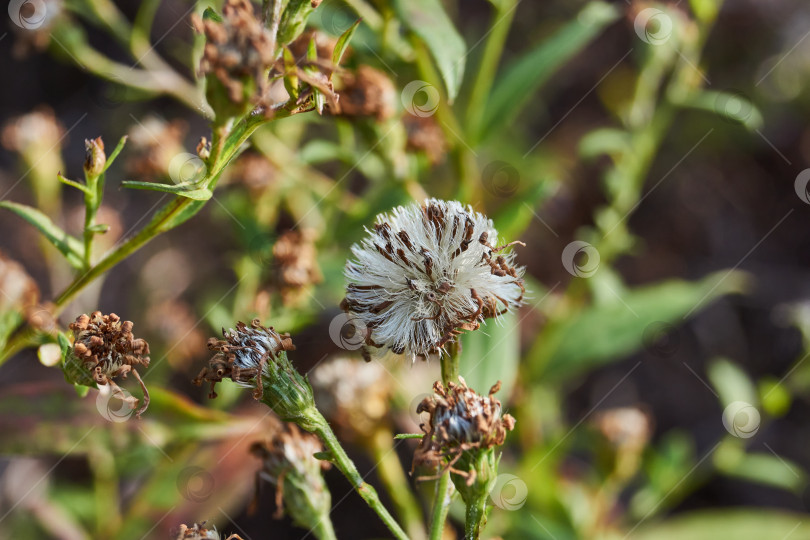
point(393, 477)
point(346, 466)
point(444, 490)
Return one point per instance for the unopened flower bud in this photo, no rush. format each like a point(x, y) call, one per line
point(95, 159)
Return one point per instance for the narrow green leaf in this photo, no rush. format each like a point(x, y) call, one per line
point(210, 15)
point(760, 468)
point(69, 246)
point(400, 436)
point(185, 189)
point(731, 382)
point(491, 354)
point(527, 75)
point(72, 183)
point(729, 105)
point(343, 43)
point(739, 524)
point(428, 20)
point(609, 331)
point(604, 141)
point(99, 228)
point(115, 152)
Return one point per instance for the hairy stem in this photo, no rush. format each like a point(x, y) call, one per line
point(441, 506)
point(393, 477)
point(475, 518)
point(346, 466)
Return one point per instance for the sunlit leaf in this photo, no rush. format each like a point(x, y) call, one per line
point(521, 81)
point(185, 189)
point(428, 20)
point(609, 331)
point(742, 524)
point(68, 245)
point(491, 354)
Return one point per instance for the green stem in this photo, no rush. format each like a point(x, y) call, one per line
point(225, 147)
point(499, 29)
point(449, 362)
point(347, 467)
point(475, 518)
point(393, 477)
point(323, 530)
point(441, 506)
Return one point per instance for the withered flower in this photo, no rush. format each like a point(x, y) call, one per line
point(463, 432)
point(256, 356)
point(355, 395)
point(366, 92)
point(255, 171)
point(153, 143)
point(199, 531)
point(425, 135)
point(461, 420)
point(289, 463)
point(35, 131)
point(297, 263)
point(18, 291)
point(238, 51)
point(243, 355)
point(627, 430)
point(106, 347)
point(425, 273)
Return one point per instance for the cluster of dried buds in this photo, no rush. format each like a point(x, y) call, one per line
point(238, 51)
point(425, 274)
point(366, 92)
point(297, 263)
point(461, 421)
point(355, 395)
point(105, 346)
point(289, 463)
point(199, 531)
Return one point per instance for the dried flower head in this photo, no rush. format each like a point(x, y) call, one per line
point(297, 263)
point(255, 171)
point(460, 420)
point(199, 531)
point(289, 463)
point(625, 427)
point(38, 130)
point(425, 135)
point(106, 347)
point(18, 291)
point(238, 51)
point(355, 395)
point(256, 356)
point(153, 143)
point(367, 92)
point(243, 355)
point(427, 272)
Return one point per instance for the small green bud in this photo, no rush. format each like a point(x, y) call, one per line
point(95, 159)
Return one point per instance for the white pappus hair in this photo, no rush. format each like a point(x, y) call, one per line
point(425, 273)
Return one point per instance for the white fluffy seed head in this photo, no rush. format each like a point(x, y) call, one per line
point(427, 271)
